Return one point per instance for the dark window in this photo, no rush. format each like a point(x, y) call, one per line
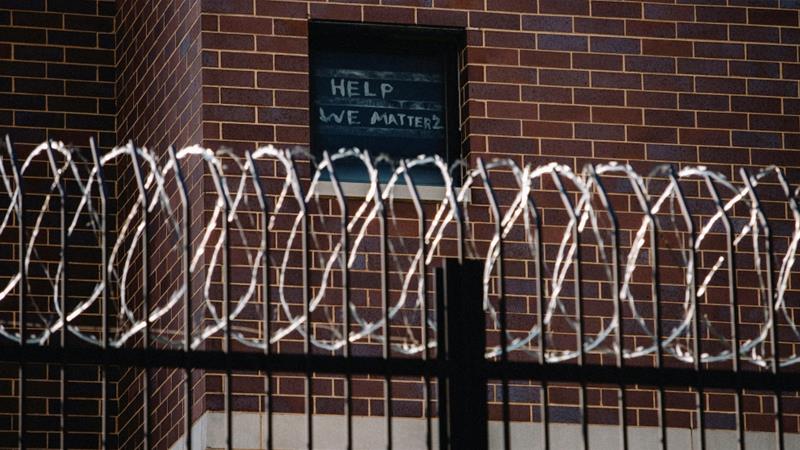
point(387, 89)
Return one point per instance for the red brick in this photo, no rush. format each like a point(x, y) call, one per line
point(668, 12)
point(497, 127)
point(596, 131)
point(754, 33)
point(597, 62)
point(756, 104)
point(240, 60)
point(518, 75)
point(511, 110)
point(494, 20)
point(273, 8)
point(564, 113)
point(631, 116)
point(652, 99)
point(290, 27)
point(460, 4)
point(576, 7)
point(493, 91)
point(668, 83)
point(511, 6)
point(666, 47)
point(755, 69)
point(442, 18)
point(617, 80)
point(661, 117)
point(541, 22)
point(704, 31)
point(704, 102)
point(614, 45)
point(774, 123)
point(616, 9)
point(773, 88)
point(590, 25)
point(721, 120)
point(700, 66)
point(227, 6)
point(768, 52)
point(239, 132)
point(227, 41)
point(239, 24)
point(649, 64)
point(333, 11)
point(534, 128)
point(257, 97)
point(696, 136)
point(671, 153)
point(281, 44)
point(217, 77)
point(546, 94)
point(649, 28)
point(720, 85)
point(599, 96)
point(535, 58)
point(229, 113)
point(389, 14)
point(721, 14)
point(652, 134)
point(509, 39)
point(562, 42)
point(718, 50)
point(783, 17)
point(563, 77)
point(487, 55)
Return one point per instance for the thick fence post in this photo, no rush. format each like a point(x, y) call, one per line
point(462, 345)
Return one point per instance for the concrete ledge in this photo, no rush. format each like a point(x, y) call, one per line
point(249, 433)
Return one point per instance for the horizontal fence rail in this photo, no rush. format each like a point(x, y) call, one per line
point(263, 261)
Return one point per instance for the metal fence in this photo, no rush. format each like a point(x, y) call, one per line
point(667, 256)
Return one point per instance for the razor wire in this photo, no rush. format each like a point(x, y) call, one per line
point(657, 200)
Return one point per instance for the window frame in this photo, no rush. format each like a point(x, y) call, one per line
point(445, 42)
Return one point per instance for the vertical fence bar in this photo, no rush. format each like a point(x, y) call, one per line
point(104, 263)
point(62, 290)
point(442, 384)
point(22, 291)
point(387, 329)
point(541, 308)
point(226, 303)
point(734, 299)
point(306, 298)
point(576, 261)
point(348, 405)
point(697, 338)
point(774, 331)
point(498, 238)
point(186, 248)
point(655, 292)
point(145, 286)
point(422, 289)
point(265, 268)
point(749, 183)
point(104, 339)
point(620, 335)
point(461, 290)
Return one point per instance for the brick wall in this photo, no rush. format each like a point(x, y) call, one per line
point(573, 82)
point(159, 104)
point(57, 73)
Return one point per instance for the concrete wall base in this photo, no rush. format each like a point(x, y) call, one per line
point(249, 433)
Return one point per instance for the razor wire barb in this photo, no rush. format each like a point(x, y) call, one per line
point(658, 196)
